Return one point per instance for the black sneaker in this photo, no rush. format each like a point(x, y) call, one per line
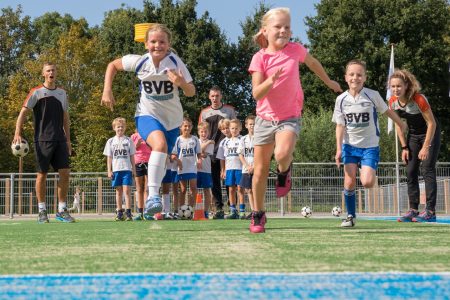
point(219, 215)
point(119, 215)
point(233, 215)
point(42, 217)
point(129, 216)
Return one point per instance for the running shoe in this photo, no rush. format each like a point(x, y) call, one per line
point(64, 216)
point(218, 215)
point(42, 217)
point(119, 215)
point(139, 217)
point(153, 205)
point(129, 216)
point(425, 216)
point(283, 183)
point(242, 215)
point(408, 217)
point(349, 222)
point(233, 215)
point(258, 222)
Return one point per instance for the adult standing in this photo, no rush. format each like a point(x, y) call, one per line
point(51, 139)
point(423, 143)
point(213, 114)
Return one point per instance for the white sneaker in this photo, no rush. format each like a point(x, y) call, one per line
point(349, 222)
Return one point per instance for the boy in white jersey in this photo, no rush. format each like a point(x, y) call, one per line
point(204, 176)
point(158, 113)
point(120, 151)
point(246, 151)
point(187, 153)
point(357, 133)
point(232, 169)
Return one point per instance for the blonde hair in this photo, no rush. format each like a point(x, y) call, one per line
point(259, 38)
point(237, 122)
point(356, 62)
point(412, 85)
point(224, 123)
point(203, 125)
point(249, 117)
point(161, 28)
point(117, 121)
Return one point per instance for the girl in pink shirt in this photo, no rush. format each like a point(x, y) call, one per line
point(279, 95)
point(141, 161)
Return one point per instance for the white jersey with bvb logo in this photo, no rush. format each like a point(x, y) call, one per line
point(159, 97)
point(246, 149)
point(359, 115)
point(120, 150)
point(186, 150)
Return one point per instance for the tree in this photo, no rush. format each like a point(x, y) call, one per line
point(365, 29)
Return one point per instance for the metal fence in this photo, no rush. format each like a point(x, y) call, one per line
point(316, 185)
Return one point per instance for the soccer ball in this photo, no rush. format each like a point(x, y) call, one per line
point(306, 212)
point(186, 212)
point(20, 149)
point(337, 211)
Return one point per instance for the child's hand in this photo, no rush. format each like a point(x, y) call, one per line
point(250, 169)
point(108, 100)
point(274, 77)
point(110, 174)
point(176, 77)
point(337, 158)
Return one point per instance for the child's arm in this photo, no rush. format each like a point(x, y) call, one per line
point(111, 71)
point(133, 166)
point(261, 87)
point(340, 129)
point(315, 66)
point(222, 169)
point(109, 166)
point(199, 159)
point(177, 78)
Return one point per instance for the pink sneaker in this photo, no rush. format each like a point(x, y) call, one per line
point(258, 221)
point(284, 183)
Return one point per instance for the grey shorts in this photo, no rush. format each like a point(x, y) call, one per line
point(265, 131)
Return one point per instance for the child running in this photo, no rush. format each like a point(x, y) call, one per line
point(245, 152)
point(119, 151)
point(204, 177)
point(158, 113)
point(358, 135)
point(279, 102)
point(187, 153)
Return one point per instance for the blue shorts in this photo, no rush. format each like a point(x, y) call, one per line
point(361, 156)
point(233, 177)
point(147, 124)
point(121, 178)
point(246, 181)
point(186, 176)
point(170, 177)
point(204, 180)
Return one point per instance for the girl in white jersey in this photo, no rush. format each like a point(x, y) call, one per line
point(159, 113)
point(279, 102)
point(357, 133)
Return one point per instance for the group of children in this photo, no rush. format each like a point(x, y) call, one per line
point(188, 166)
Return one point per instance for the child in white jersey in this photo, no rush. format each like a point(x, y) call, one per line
point(357, 133)
point(279, 101)
point(232, 169)
point(245, 151)
point(204, 177)
point(158, 113)
point(120, 151)
point(76, 200)
point(187, 153)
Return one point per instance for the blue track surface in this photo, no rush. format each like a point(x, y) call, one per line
point(229, 286)
point(439, 220)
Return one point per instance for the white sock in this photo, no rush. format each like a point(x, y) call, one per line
point(166, 203)
point(62, 206)
point(41, 206)
point(156, 172)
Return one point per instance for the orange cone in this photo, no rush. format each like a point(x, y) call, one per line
point(199, 212)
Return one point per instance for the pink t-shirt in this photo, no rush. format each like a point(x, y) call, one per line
point(142, 151)
point(285, 99)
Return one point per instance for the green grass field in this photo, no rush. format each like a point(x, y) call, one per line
point(289, 245)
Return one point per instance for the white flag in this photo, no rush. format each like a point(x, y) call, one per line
point(388, 93)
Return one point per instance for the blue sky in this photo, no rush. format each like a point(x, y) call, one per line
point(227, 13)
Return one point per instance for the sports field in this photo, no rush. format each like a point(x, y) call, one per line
point(290, 247)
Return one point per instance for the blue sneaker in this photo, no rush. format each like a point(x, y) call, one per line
point(408, 217)
point(153, 205)
point(425, 216)
point(64, 216)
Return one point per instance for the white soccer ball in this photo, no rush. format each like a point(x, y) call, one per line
point(186, 212)
point(337, 211)
point(20, 149)
point(306, 211)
